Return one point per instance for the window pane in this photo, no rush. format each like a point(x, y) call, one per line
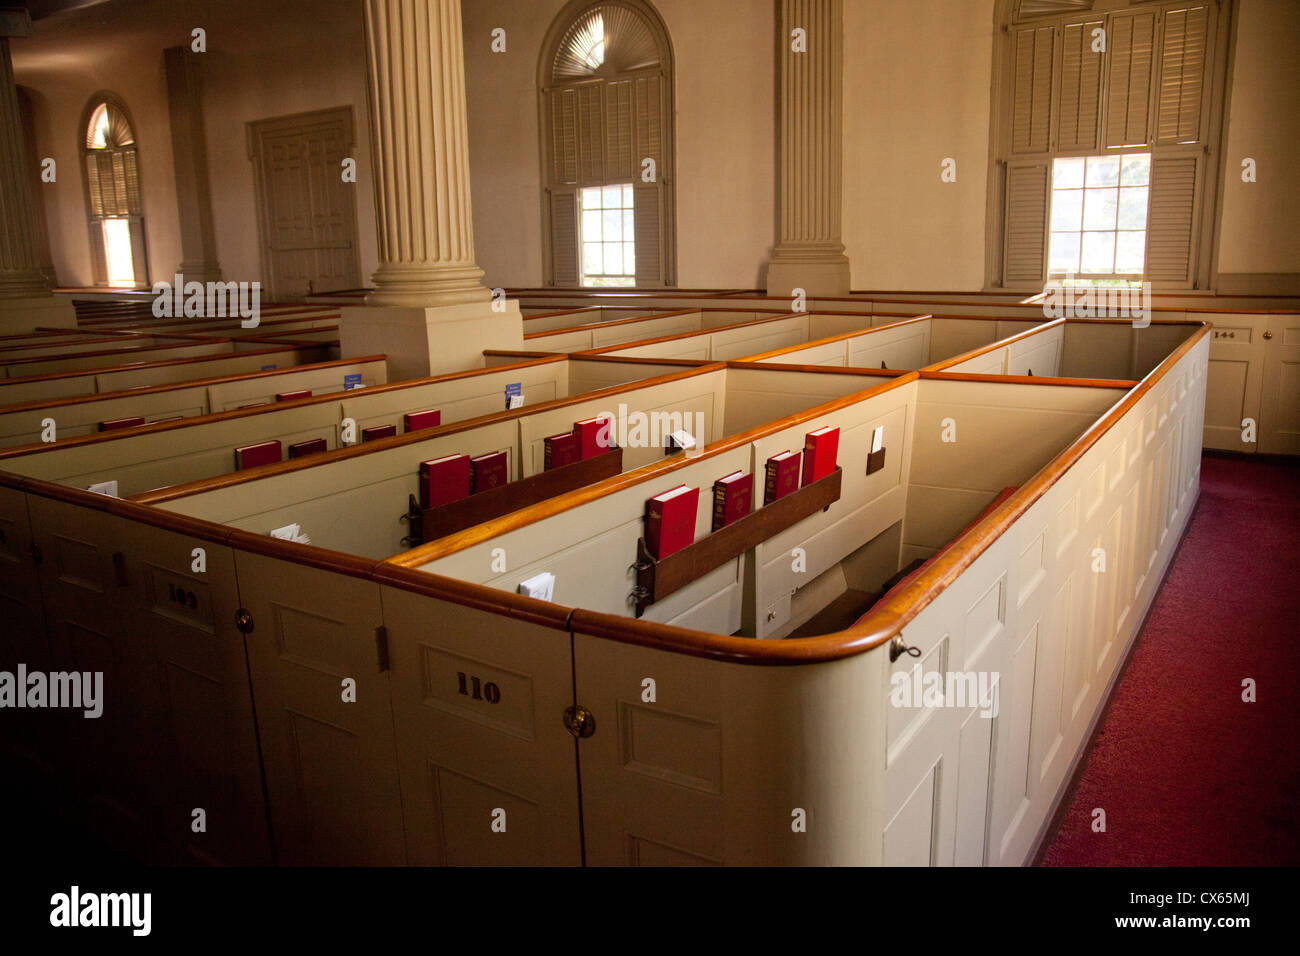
point(628, 232)
point(613, 222)
point(590, 258)
point(1098, 253)
point(1137, 170)
point(629, 258)
point(1067, 173)
point(1099, 208)
point(627, 196)
point(1103, 171)
point(591, 225)
point(591, 197)
point(613, 196)
point(1063, 255)
point(1130, 248)
point(1067, 209)
point(1133, 208)
point(613, 258)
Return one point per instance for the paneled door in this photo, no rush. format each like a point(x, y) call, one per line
point(324, 713)
point(1279, 407)
point(307, 212)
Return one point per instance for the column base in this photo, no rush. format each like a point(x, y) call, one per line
point(44, 311)
point(430, 341)
point(815, 277)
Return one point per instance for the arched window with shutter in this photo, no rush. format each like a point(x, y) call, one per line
point(606, 85)
point(114, 209)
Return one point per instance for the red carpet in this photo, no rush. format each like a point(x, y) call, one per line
point(1189, 774)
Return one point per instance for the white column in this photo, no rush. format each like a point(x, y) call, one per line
point(421, 154)
point(809, 253)
point(433, 313)
point(25, 297)
point(190, 164)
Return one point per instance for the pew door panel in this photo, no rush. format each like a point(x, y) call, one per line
point(488, 769)
point(1279, 408)
point(183, 598)
point(110, 758)
point(331, 768)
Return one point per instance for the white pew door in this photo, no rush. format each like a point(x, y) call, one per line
point(182, 597)
point(1279, 411)
point(489, 772)
point(331, 770)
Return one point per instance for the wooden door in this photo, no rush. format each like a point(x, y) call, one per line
point(307, 210)
point(331, 767)
point(1279, 407)
point(489, 771)
point(1237, 350)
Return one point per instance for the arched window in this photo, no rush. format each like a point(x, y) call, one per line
point(113, 206)
point(606, 86)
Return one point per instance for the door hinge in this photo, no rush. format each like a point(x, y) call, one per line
point(244, 621)
point(579, 721)
point(381, 646)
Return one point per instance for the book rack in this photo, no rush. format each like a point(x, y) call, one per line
point(655, 580)
point(429, 524)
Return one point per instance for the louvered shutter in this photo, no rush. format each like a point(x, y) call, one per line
point(1080, 100)
point(92, 185)
point(1025, 251)
point(591, 137)
point(1182, 75)
point(564, 236)
point(1130, 41)
point(564, 136)
point(131, 178)
point(649, 199)
point(620, 163)
point(1032, 102)
point(98, 255)
point(1170, 216)
point(139, 254)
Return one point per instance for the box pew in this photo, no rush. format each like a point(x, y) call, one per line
point(360, 495)
point(34, 349)
point(24, 423)
point(571, 318)
point(65, 384)
point(98, 358)
point(579, 338)
point(1038, 348)
point(719, 773)
point(749, 337)
point(144, 458)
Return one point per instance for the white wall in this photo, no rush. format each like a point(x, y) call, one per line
point(1259, 232)
point(916, 91)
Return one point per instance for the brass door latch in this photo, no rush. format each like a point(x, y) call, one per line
point(579, 721)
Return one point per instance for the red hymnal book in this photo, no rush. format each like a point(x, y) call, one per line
point(309, 447)
point(113, 424)
point(378, 431)
point(290, 396)
point(487, 471)
point(443, 480)
point(670, 520)
point(819, 451)
point(782, 476)
point(562, 450)
point(263, 453)
point(414, 421)
point(733, 498)
point(588, 434)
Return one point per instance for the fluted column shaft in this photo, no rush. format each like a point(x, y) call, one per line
point(421, 154)
point(811, 146)
point(21, 276)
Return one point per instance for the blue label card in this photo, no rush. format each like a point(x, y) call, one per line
point(269, 368)
point(515, 395)
point(351, 381)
